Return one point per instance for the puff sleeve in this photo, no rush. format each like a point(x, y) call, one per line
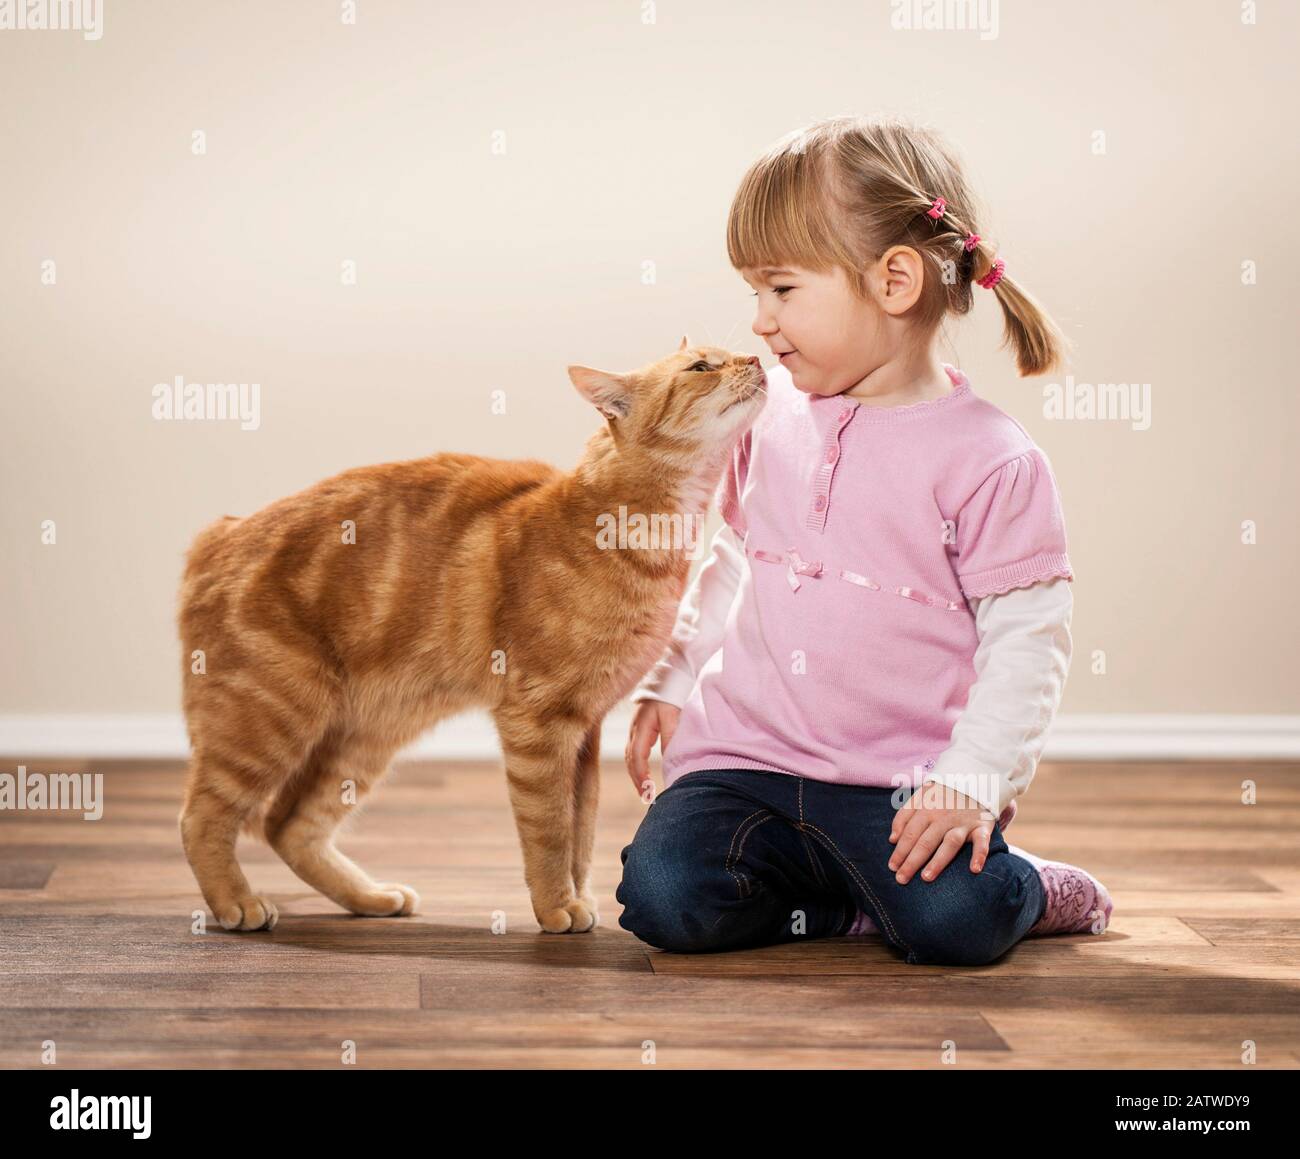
point(732, 485)
point(1011, 531)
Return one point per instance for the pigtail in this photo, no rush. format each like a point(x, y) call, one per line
point(1036, 342)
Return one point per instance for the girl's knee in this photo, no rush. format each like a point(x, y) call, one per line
point(972, 922)
point(655, 903)
point(663, 902)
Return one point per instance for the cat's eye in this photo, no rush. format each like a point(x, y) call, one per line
point(700, 366)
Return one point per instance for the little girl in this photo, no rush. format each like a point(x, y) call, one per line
point(861, 678)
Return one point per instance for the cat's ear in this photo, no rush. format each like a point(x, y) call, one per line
point(609, 393)
point(683, 345)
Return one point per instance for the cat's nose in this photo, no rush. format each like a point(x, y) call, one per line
point(753, 360)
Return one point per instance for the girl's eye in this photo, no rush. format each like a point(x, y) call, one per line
point(700, 366)
point(776, 290)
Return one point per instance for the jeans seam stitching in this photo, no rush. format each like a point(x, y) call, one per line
point(818, 875)
point(741, 847)
point(814, 864)
point(734, 852)
point(853, 869)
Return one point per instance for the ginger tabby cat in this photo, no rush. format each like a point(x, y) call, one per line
point(465, 582)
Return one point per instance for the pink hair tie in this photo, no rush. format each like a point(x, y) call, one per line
point(994, 276)
point(972, 240)
point(936, 210)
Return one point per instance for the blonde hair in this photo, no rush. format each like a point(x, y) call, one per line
point(842, 191)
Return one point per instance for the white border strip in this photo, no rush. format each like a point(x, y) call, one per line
point(471, 736)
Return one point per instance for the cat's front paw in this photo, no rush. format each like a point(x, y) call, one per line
point(575, 917)
point(249, 913)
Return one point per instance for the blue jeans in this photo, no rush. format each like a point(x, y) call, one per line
point(734, 858)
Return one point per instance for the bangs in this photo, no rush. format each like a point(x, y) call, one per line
point(783, 214)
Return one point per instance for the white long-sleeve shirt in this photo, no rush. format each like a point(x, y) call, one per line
point(1021, 664)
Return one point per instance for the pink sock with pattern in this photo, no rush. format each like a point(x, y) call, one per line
point(1077, 903)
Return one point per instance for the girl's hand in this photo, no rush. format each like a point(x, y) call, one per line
point(653, 719)
point(927, 825)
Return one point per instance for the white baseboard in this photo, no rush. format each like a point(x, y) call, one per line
point(1081, 736)
point(1205, 736)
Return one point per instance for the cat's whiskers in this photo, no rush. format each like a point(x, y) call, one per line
point(725, 343)
point(730, 332)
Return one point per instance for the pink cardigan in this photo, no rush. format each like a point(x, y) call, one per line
point(871, 534)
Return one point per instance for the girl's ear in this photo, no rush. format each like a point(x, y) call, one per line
point(608, 392)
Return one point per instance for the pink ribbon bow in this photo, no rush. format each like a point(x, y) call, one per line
point(798, 567)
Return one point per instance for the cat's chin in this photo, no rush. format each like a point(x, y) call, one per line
point(741, 402)
point(733, 421)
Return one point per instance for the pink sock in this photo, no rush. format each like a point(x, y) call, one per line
point(862, 924)
point(1077, 903)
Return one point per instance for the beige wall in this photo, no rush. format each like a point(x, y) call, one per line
point(480, 271)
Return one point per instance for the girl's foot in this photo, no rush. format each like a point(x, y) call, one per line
point(862, 924)
point(1077, 903)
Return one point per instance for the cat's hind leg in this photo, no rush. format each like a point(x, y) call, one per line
point(220, 796)
point(248, 740)
point(252, 724)
point(302, 822)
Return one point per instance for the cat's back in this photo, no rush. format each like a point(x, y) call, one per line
point(337, 536)
point(424, 488)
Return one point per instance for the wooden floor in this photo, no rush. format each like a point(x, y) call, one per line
point(96, 951)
